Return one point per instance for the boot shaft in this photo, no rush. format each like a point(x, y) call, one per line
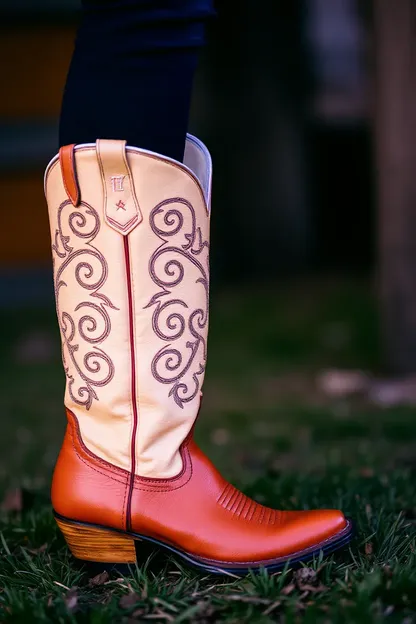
point(130, 244)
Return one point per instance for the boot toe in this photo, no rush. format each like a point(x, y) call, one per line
point(308, 529)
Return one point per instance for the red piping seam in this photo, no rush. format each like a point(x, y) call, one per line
point(133, 382)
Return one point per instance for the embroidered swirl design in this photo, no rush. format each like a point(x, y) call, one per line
point(89, 322)
point(181, 362)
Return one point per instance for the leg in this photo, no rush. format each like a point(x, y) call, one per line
point(132, 71)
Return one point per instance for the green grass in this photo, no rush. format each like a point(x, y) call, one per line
point(271, 429)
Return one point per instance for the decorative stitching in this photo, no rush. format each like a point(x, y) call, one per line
point(125, 227)
point(181, 365)
point(244, 508)
point(124, 474)
point(82, 224)
point(222, 496)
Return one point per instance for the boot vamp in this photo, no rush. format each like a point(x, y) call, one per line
point(206, 516)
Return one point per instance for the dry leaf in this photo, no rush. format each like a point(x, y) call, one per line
point(129, 600)
point(106, 597)
point(61, 585)
point(288, 589)
point(368, 549)
point(272, 607)
point(138, 613)
point(71, 599)
point(248, 599)
point(305, 575)
point(313, 588)
point(13, 500)
point(36, 551)
point(100, 579)
point(160, 616)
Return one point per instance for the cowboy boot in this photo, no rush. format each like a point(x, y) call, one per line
point(130, 244)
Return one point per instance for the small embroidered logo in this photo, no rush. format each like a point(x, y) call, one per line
point(121, 205)
point(117, 183)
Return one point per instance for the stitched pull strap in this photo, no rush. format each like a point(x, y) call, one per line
point(69, 176)
point(121, 208)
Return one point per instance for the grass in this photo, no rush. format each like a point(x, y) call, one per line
point(271, 428)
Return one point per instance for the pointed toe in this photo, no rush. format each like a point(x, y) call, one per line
point(304, 530)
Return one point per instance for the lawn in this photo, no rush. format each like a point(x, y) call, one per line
point(275, 423)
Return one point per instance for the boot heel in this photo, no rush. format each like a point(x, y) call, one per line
point(90, 543)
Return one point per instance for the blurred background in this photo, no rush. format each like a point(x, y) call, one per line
point(284, 102)
point(308, 107)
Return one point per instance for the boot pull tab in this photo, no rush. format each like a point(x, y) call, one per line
point(69, 176)
point(121, 208)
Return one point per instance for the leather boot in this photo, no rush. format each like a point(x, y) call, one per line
point(130, 245)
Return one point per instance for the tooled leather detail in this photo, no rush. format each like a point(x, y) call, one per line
point(180, 363)
point(245, 508)
point(89, 322)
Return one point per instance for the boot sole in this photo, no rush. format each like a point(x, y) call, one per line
point(98, 544)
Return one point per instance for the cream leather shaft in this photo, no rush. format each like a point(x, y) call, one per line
point(131, 283)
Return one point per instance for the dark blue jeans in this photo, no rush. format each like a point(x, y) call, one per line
point(132, 71)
